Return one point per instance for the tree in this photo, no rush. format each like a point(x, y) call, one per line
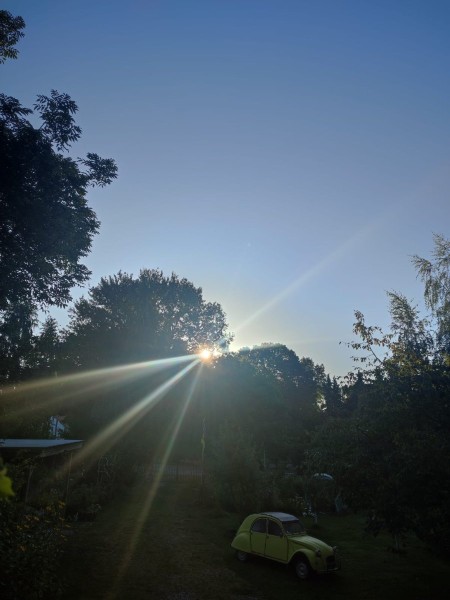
point(285, 407)
point(435, 275)
point(299, 380)
point(235, 392)
point(393, 454)
point(332, 395)
point(26, 356)
point(127, 319)
point(45, 358)
point(10, 33)
point(16, 342)
point(238, 481)
point(47, 226)
point(299, 376)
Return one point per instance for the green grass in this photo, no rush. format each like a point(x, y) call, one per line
point(183, 552)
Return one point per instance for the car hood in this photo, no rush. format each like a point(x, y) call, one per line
point(312, 543)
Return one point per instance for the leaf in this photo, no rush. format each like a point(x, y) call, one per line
point(6, 490)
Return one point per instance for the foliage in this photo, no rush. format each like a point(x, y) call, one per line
point(84, 501)
point(332, 396)
point(299, 377)
point(235, 392)
point(391, 453)
point(134, 320)
point(237, 476)
point(47, 226)
point(16, 341)
point(30, 548)
point(435, 277)
point(10, 33)
point(23, 415)
point(45, 357)
point(292, 495)
point(27, 356)
point(290, 389)
point(6, 490)
point(127, 319)
point(40, 264)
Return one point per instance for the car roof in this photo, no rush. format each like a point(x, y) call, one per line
point(281, 516)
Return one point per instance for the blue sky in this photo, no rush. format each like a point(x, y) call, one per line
point(287, 156)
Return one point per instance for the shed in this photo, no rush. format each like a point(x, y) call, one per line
point(60, 449)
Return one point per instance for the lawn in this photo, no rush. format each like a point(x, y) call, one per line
point(180, 550)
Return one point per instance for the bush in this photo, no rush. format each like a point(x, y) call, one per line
point(237, 479)
point(84, 502)
point(31, 544)
point(292, 495)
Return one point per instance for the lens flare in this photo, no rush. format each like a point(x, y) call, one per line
point(205, 354)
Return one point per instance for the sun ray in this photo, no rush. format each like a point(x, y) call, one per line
point(156, 364)
point(329, 259)
point(146, 507)
point(120, 426)
point(79, 385)
point(103, 441)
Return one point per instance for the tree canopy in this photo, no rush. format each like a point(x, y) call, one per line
point(10, 33)
point(391, 452)
point(127, 319)
point(47, 226)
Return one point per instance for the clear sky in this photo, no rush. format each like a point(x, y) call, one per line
point(287, 156)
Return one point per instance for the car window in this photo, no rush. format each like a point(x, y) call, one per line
point(259, 526)
point(274, 529)
point(293, 527)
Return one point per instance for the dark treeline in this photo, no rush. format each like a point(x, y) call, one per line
point(126, 376)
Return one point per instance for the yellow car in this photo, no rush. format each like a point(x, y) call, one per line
point(281, 537)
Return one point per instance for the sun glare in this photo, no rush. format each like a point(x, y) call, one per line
point(205, 354)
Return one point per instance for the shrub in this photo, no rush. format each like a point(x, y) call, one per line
point(31, 543)
point(84, 501)
point(236, 476)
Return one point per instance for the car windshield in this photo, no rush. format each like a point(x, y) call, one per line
point(293, 527)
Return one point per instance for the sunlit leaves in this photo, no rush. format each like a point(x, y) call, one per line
point(6, 490)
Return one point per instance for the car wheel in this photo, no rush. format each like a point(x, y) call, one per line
point(241, 555)
point(302, 568)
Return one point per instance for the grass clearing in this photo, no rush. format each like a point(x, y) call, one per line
point(181, 550)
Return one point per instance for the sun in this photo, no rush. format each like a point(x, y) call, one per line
point(208, 354)
point(205, 354)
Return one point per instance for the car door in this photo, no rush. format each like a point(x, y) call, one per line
point(258, 534)
point(276, 542)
